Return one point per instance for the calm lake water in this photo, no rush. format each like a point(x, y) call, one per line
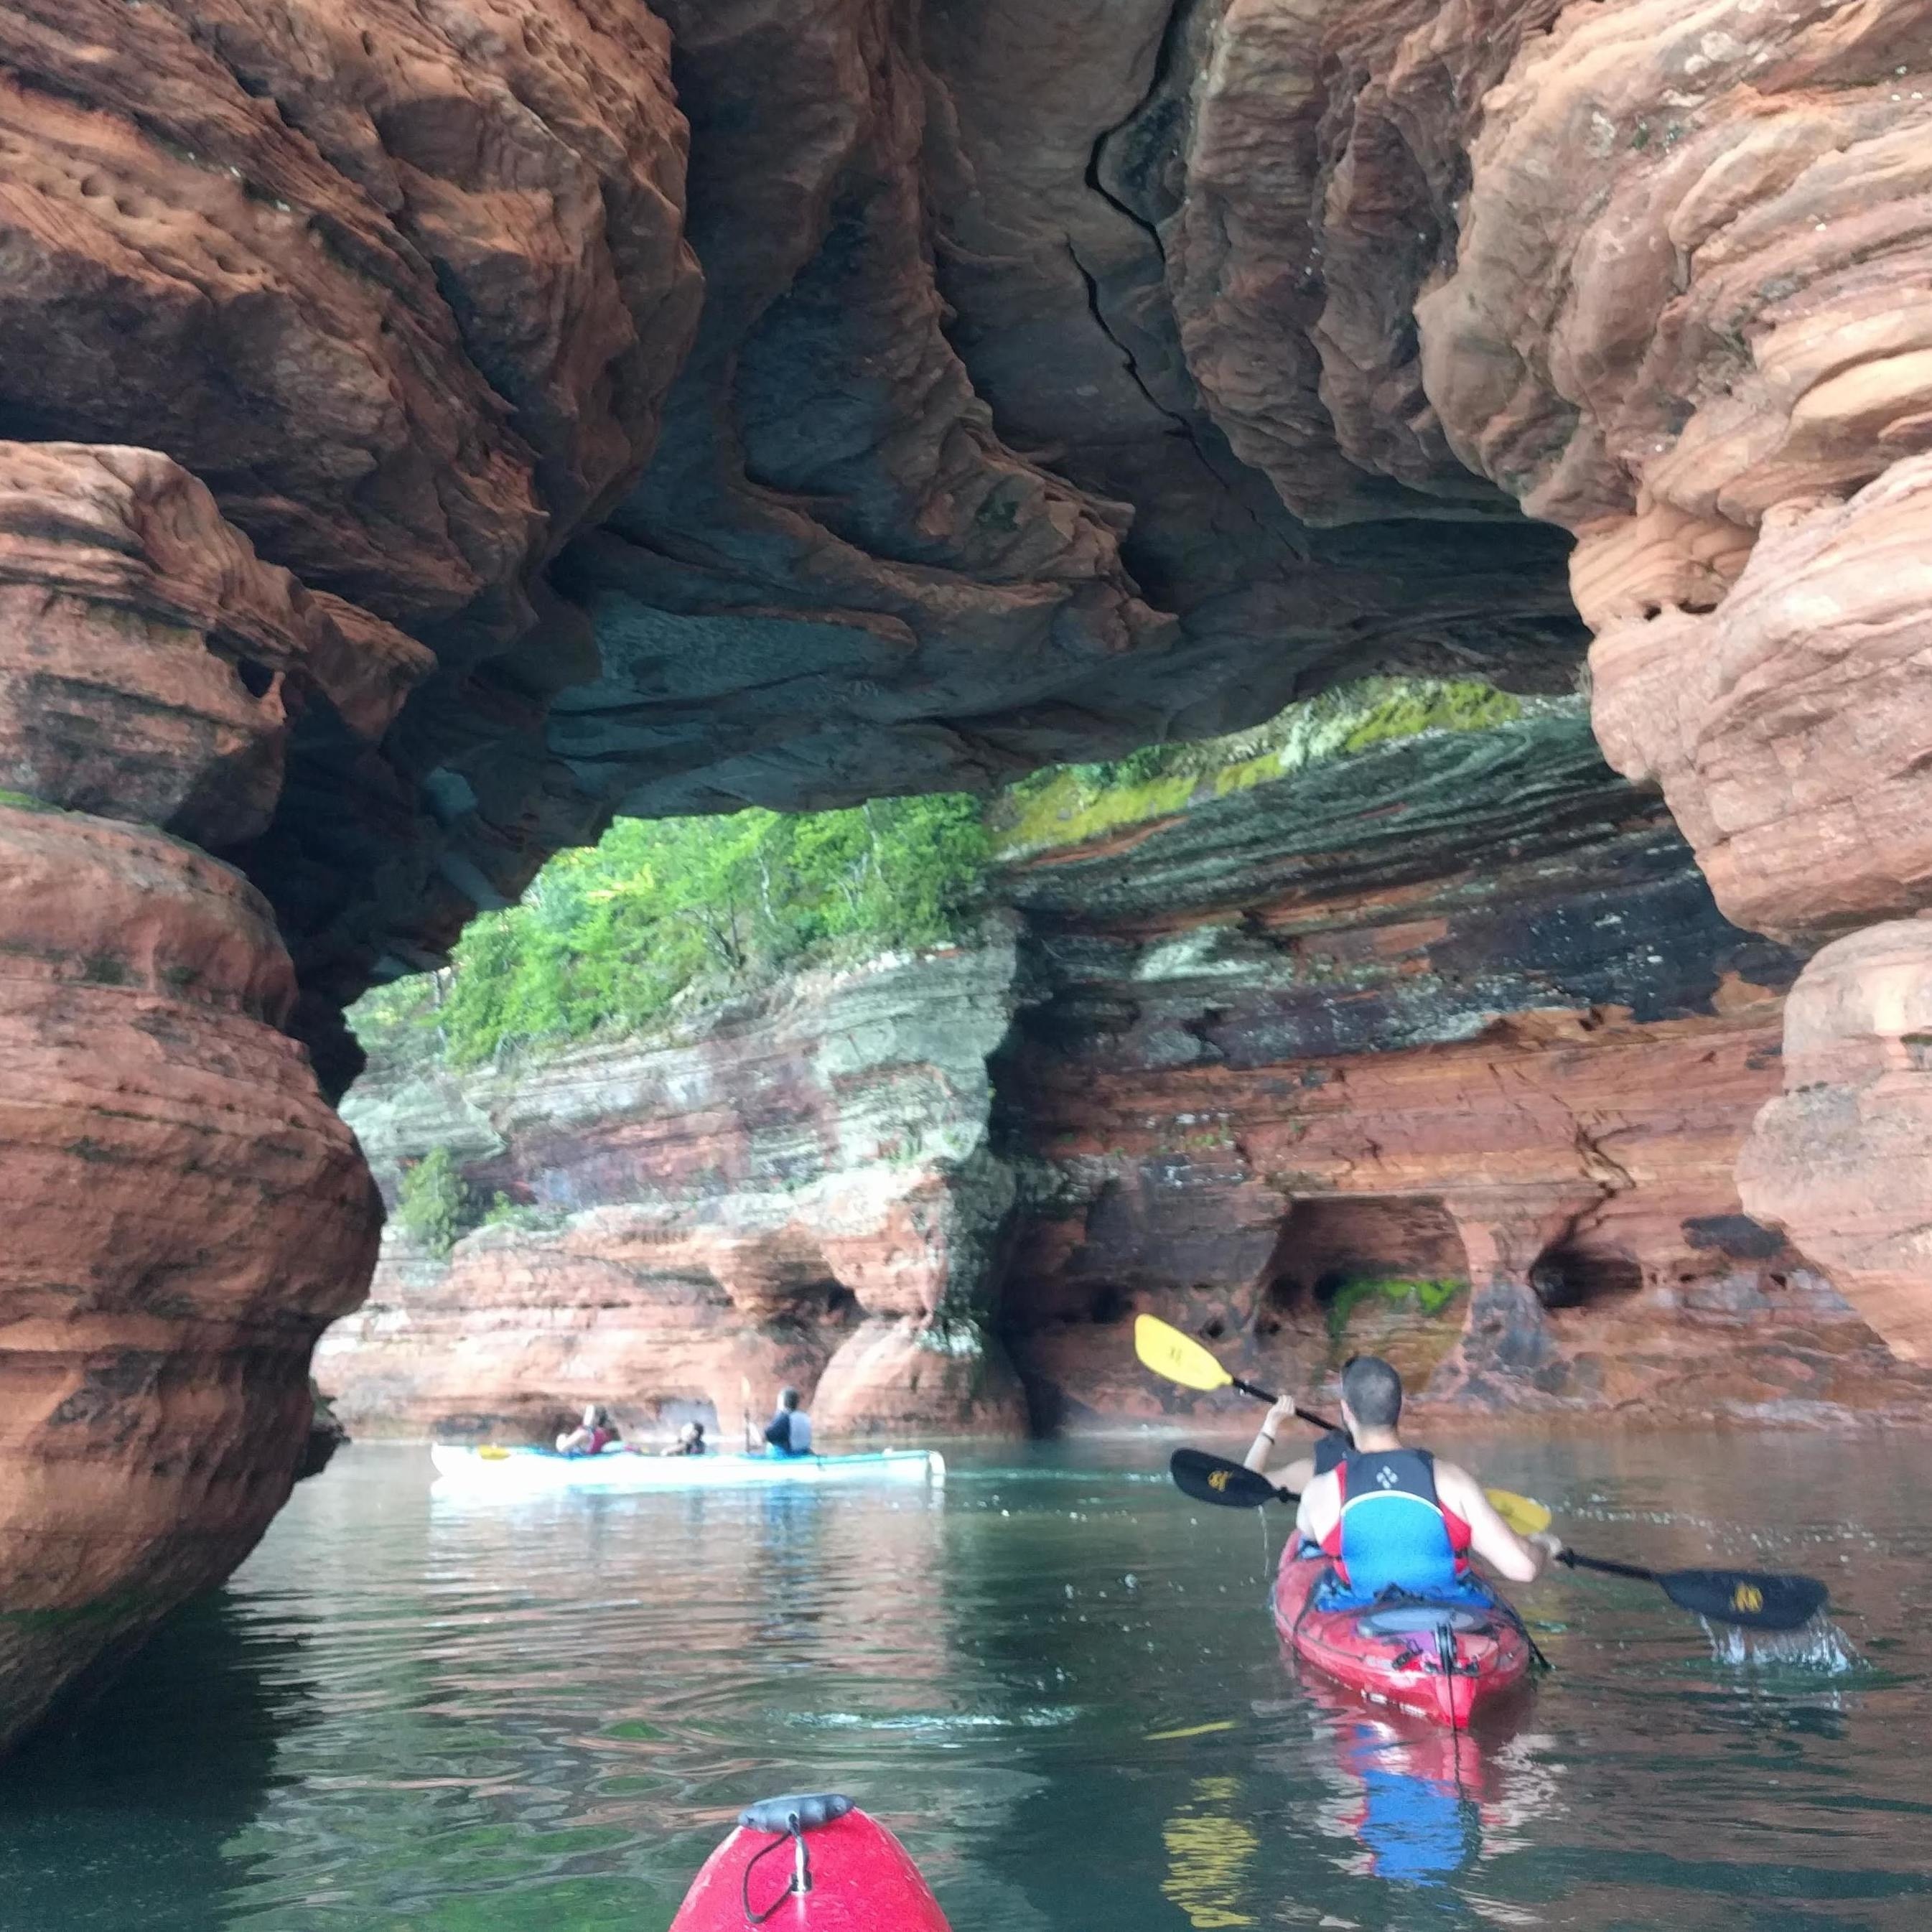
point(1055, 1679)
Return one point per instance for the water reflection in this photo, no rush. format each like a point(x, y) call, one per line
point(118, 1814)
point(1057, 1681)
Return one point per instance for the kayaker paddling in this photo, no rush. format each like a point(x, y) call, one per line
point(591, 1436)
point(789, 1432)
point(1394, 1521)
point(1329, 1449)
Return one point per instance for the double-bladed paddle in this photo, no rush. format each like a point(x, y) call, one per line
point(1181, 1359)
point(1213, 1479)
point(1751, 1599)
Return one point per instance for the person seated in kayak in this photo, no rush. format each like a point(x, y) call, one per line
point(1395, 1521)
point(789, 1432)
point(1329, 1448)
point(591, 1436)
point(690, 1440)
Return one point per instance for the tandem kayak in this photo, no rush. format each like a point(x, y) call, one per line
point(525, 1471)
point(1446, 1662)
point(809, 1864)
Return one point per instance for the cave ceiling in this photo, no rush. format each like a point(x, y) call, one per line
point(784, 402)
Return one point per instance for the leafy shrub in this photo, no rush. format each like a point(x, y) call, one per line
point(433, 1202)
point(610, 936)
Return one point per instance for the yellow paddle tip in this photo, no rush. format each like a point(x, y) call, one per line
point(1179, 1358)
point(1524, 1514)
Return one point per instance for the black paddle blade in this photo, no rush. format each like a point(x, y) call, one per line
point(1213, 1479)
point(1749, 1598)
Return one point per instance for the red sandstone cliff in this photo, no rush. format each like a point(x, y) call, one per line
point(795, 1187)
point(427, 429)
point(1250, 1066)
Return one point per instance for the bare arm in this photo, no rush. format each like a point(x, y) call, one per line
point(1517, 1559)
point(1320, 1505)
point(1263, 1445)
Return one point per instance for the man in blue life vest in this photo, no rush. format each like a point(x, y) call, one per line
point(1394, 1521)
point(789, 1431)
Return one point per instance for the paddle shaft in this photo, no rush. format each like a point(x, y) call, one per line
point(1268, 1396)
point(1576, 1560)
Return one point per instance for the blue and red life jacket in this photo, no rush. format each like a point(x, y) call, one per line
point(1393, 1533)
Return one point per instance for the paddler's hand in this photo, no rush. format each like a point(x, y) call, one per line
point(1549, 1542)
point(1262, 1447)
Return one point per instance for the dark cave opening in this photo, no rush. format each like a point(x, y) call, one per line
point(1568, 1275)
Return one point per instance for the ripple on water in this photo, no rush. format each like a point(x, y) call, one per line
point(1056, 1678)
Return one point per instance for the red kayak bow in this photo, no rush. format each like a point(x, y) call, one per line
point(809, 1863)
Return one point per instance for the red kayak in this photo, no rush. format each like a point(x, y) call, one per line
point(1447, 1662)
point(809, 1864)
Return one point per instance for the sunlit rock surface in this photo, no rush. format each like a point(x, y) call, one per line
point(1463, 1078)
point(794, 1187)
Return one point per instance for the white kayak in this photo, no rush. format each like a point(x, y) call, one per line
point(527, 1471)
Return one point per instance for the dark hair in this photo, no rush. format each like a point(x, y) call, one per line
point(698, 1428)
point(1373, 1392)
point(788, 1398)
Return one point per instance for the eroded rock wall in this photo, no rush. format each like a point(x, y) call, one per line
point(796, 1188)
point(1464, 1080)
point(488, 415)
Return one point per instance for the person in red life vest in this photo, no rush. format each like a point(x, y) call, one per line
point(591, 1436)
point(1395, 1521)
point(789, 1431)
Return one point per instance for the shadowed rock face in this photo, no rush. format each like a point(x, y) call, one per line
point(426, 429)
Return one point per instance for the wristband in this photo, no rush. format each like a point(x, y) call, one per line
point(1264, 1435)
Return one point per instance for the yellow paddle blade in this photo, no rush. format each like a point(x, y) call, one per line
point(1524, 1514)
point(489, 1453)
point(1180, 1357)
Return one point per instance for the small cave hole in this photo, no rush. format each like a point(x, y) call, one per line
point(1214, 1330)
point(1569, 1276)
point(256, 677)
point(1108, 1306)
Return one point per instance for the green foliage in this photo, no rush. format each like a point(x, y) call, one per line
point(1071, 804)
point(433, 1202)
point(614, 937)
point(1429, 1297)
point(610, 936)
point(503, 1212)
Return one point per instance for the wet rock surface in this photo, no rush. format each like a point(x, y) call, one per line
point(185, 1213)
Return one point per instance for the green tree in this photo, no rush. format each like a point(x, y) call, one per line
point(433, 1202)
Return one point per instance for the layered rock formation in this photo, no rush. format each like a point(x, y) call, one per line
point(1464, 1079)
point(430, 428)
point(797, 1188)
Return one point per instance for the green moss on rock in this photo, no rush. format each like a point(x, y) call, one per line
point(1074, 804)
